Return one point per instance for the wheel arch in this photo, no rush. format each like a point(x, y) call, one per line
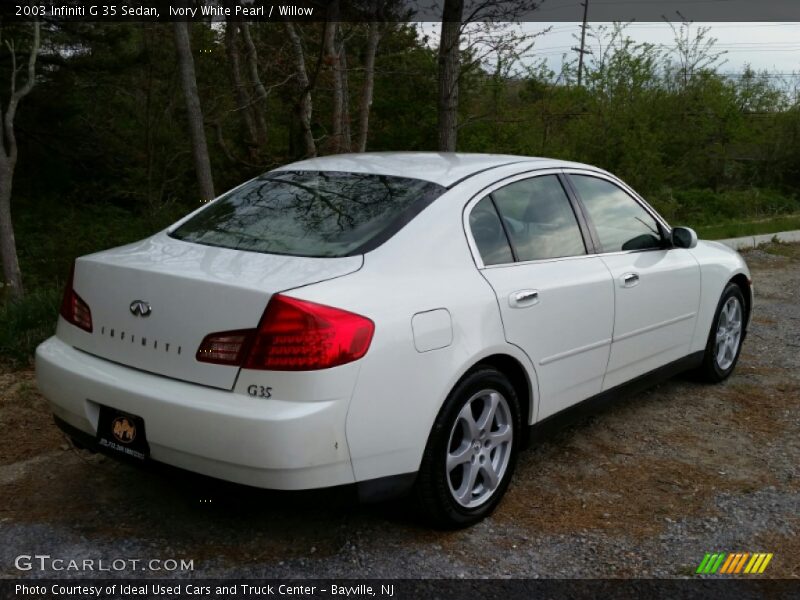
point(524, 381)
point(517, 375)
point(743, 282)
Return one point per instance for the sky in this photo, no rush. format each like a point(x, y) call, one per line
point(774, 47)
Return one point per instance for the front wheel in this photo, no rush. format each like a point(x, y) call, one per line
point(726, 335)
point(471, 451)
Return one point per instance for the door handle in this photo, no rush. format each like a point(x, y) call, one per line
point(630, 279)
point(523, 298)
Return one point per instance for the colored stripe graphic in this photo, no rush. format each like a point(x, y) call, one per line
point(703, 563)
point(741, 562)
point(757, 558)
point(765, 563)
point(718, 563)
point(727, 564)
point(736, 558)
point(711, 563)
point(734, 563)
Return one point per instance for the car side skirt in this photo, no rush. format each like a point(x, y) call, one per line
point(602, 400)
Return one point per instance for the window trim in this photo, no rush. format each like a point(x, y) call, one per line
point(493, 202)
point(586, 227)
point(489, 190)
point(592, 247)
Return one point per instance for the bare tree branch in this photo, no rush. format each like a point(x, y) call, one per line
point(243, 101)
point(304, 106)
point(194, 111)
point(19, 94)
point(373, 38)
point(251, 57)
point(8, 161)
point(333, 58)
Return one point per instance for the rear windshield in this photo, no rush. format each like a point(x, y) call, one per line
point(310, 213)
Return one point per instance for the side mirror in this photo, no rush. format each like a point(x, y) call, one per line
point(684, 237)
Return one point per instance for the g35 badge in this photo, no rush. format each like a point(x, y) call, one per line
point(259, 391)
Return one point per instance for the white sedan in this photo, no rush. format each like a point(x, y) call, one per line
point(393, 321)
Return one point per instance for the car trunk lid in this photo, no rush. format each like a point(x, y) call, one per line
point(191, 290)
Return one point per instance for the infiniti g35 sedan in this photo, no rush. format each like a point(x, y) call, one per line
point(390, 321)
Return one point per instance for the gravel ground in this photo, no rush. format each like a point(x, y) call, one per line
point(642, 488)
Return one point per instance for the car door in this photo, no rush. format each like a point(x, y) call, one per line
point(656, 287)
point(556, 302)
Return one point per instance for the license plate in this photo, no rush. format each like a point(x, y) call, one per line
point(122, 433)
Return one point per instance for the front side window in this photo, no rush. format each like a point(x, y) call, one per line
point(310, 213)
point(621, 222)
point(539, 219)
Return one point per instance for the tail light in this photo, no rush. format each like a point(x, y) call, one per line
point(226, 348)
point(73, 308)
point(294, 335)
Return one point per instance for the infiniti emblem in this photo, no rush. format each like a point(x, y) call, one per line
point(140, 308)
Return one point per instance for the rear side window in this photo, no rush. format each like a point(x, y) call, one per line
point(487, 231)
point(539, 219)
point(621, 222)
point(310, 213)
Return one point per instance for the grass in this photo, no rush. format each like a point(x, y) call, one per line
point(782, 249)
point(729, 213)
point(735, 229)
point(24, 324)
point(50, 235)
point(704, 207)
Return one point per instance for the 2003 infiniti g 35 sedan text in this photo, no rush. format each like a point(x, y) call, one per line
point(390, 320)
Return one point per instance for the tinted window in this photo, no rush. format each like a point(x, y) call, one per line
point(539, 219)
point(487, 231)
point(621, 222)
point(310, 213)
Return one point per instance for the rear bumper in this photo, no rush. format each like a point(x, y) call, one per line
point(268, 443)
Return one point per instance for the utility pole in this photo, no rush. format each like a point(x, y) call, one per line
point(582, 50)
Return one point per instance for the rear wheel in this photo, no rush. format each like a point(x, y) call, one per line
point(471, 451)
point(725, 338)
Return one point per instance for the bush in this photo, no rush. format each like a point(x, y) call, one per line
point(703, 207)
point(26, 323)
point(50, 235)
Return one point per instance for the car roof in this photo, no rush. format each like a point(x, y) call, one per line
point(444, 168)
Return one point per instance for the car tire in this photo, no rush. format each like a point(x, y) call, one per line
point(471, 451)
point(726, 336)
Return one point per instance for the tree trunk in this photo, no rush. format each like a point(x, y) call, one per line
point(194, 112)
point(255, 79)
point(8, 162)
point(243, 106)
point(304, 106)
point(373, 38)
point(8, 244)
point(449, 67)
point(333, 59)
point(346, 136)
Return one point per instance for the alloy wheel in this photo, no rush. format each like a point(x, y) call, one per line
point(729, 333)
point(479, 448)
